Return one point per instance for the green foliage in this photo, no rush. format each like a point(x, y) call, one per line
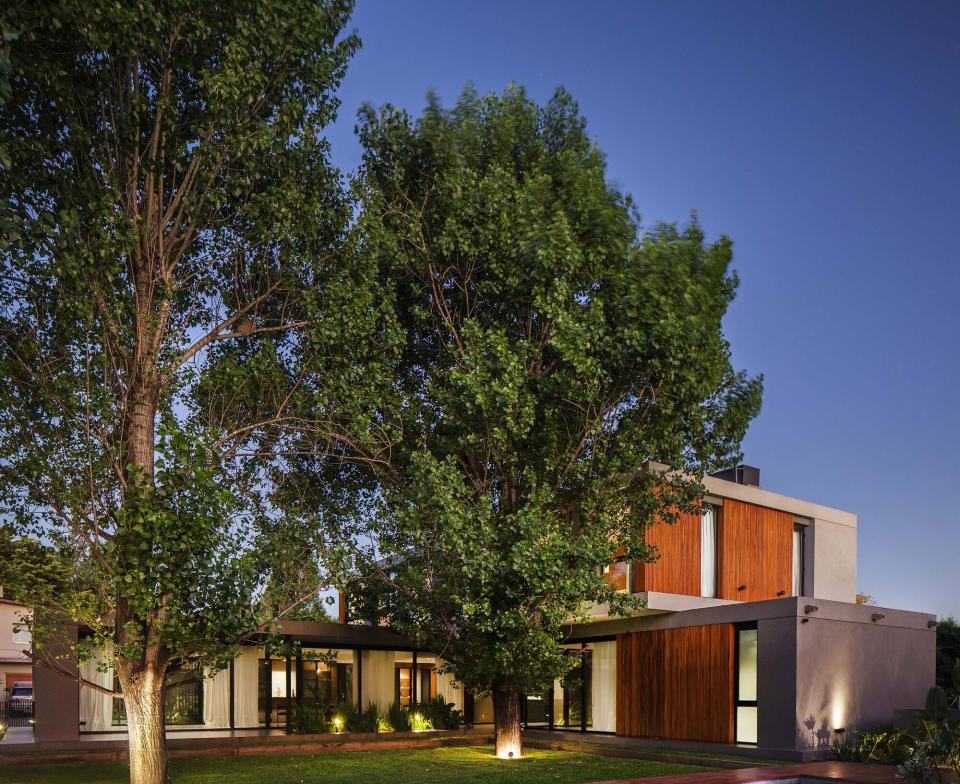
point(887, 745)
point(948, 658)
point(310, 719)
point(441, 714)
point(533, 348)
point(938, 751)
point(937, 705)
point(399, 717)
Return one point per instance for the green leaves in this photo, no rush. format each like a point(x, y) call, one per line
point(169, 223)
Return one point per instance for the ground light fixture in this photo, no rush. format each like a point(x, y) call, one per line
point(511, 751)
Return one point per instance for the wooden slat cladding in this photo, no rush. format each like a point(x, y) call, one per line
point(677, 570)
point(676, 684)
point(640, 684)
point(755, 551)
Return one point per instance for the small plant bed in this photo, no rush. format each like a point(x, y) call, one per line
point(457, 765)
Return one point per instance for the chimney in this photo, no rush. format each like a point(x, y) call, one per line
point(742, 475)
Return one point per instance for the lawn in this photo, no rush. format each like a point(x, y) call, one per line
point(451, 765)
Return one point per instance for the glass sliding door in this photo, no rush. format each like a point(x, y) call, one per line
point(603, 686)
point(746, 684)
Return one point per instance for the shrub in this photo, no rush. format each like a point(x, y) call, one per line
point(399, 718)
point(419, 722)
point(442, 714)
point(309, 719)
point(939, 750)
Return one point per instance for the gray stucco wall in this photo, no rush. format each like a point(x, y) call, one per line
point(855, 673)
point(831, 560)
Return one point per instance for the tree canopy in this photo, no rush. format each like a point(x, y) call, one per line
point(170, 223)
point(534, 348)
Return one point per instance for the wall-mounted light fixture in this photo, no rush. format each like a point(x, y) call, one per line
point(877, 617)
point(932, 624)
point(742, 587)
point(810, 608)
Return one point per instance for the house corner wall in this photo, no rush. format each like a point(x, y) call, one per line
point(853, 674)
point(777, 683)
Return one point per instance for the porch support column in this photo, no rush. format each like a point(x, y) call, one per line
point(583, 687)
point(358, 654)
point(233, 698)
point(289, 686)
point(268, 672)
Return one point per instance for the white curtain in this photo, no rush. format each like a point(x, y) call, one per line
point(246, 685)
point(708, 553)
point(797, 561)
point(216, 698)
point(96, 708)
point(604, 686)
point(449, 689)
point(378, 679)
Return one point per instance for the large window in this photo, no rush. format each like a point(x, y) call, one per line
point(619, 574)
point(426, 684)
point(798, 544)
point(183, 702)
point(746, 685)
point(708, 552)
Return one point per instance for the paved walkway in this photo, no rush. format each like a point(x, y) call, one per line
point(855, 772)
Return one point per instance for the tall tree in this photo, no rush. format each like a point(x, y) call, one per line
point(536, 348)
point(170, 222)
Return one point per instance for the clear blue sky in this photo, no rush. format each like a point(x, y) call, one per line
point(824, 138)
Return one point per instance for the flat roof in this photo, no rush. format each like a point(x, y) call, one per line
point(752, 494)
point(342, 635)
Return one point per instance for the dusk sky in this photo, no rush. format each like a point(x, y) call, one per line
point(824, 139)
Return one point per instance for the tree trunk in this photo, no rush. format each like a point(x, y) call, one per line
point(506, 719)
point(146, 738)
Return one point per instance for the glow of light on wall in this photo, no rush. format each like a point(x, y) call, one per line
point(838, 710)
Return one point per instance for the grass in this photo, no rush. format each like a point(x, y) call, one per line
point(445, 765)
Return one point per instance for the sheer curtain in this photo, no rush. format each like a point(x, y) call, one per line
point(797, 560)
point(246, 688)
point(96, 708)
point(604, 686)
point(708, 553)
point(216, 698)
point(378, 678)
point(450, 690)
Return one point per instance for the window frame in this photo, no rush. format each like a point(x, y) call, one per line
point(714, 510)
point(798, 559)
point(21, 634)
point(737, 702)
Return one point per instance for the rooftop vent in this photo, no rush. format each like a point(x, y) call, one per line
point(742, 475)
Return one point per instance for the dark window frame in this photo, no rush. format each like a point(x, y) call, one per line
point(737, 702)
point(800, 528)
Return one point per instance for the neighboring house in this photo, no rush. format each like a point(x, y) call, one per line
point(750, 636)
point(15, 663)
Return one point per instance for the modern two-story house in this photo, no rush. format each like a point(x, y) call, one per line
point(749, 636)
